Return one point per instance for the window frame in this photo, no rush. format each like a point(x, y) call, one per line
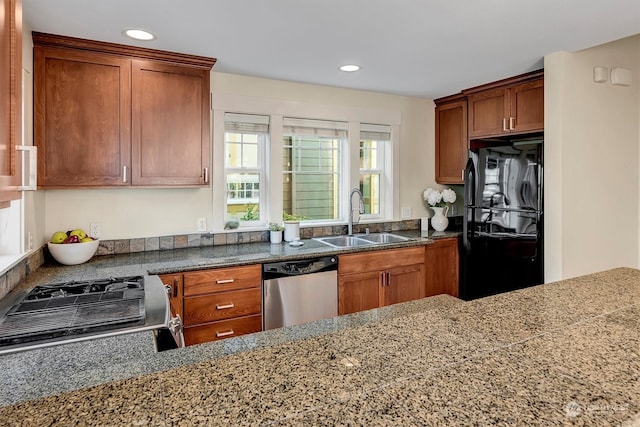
point(260, 168)
point(277, 109)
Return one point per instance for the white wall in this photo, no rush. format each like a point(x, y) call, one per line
point(592, 142)
point(130, 213)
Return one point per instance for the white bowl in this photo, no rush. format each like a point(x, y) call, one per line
point(73, 253)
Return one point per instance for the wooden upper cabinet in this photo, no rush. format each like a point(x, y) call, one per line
point(527, 106)
point(488, 113)
point(113, 115)
point(451, 141)
point(170, 135)
point(510, 106)
point(82, 117)
point(11, 98)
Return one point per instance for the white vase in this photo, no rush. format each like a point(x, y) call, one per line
point(291, 231)
point(439, 221)
point(275, 236)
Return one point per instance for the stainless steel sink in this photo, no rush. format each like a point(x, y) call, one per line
point(384, 238)
point(361, 240)
point(343, 241)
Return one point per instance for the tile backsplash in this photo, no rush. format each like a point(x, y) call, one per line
point(22, 269)
point(124, 246)
point(180, 241)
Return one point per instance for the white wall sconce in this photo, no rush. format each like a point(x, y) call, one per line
point(621, 76)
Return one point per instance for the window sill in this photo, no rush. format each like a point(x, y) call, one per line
point(7, 262)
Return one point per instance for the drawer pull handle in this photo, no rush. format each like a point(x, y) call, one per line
point(225, 306)
point(224, 334)
point(504, 125)
point(225, 281)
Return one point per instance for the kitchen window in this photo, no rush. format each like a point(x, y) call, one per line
point(374, 142)
point(245, 139)
point(312, 166)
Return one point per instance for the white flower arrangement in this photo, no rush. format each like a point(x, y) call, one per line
point(437, 198)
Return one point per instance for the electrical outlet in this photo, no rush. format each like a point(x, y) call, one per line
point(405, 213)
point(202, 224)
point(454, 210)
point(95, 230)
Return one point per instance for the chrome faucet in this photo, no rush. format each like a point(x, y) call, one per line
point(360, 209)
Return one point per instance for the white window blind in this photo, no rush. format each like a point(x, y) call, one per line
point(307, 127)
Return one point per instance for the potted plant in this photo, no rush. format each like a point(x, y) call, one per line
point(291, 226)
point(275, 232)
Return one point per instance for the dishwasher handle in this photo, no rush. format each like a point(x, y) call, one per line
point(299, 267)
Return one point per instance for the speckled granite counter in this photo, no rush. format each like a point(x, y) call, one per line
point(42, 372)
point(565, 353)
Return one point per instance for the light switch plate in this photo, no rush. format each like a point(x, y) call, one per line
point(405, 213)
point(202, 224)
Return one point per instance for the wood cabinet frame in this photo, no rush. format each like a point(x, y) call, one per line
point(142, 159)
point(11, 97)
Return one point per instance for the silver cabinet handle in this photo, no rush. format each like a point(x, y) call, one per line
point(124, 174)
point(462, 174)
point(504, 125)
point(225, 281)
point(388, 278)
point(224, 306)
point(224, 334)
point(206, 175)
point(512, 123)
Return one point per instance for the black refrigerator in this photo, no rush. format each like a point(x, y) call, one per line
point(503, 219)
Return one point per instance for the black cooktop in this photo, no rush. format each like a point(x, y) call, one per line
point(74, 308)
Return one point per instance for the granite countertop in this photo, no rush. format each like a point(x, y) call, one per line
point(565, 353)
point(190, 259)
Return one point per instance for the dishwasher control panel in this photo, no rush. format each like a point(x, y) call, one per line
point(299, 267)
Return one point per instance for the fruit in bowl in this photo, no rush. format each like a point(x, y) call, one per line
point(73, 247)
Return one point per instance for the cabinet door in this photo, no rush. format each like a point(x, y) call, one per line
point(489, 113)
point(451, 142)
point(442, 268)
point(11, 98)
point(359, 291)
point(82, 118)
point(174, 282)
point(527, 106)
point(404, 284)
point(170, 125)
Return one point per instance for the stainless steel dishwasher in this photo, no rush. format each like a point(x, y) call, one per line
point(296, 292)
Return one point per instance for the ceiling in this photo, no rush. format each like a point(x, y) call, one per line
point(422, 48)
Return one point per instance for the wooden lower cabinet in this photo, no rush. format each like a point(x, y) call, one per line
point(221, 306)
point(442, 272)
point(359, 291)
point(223, 329)
point(375, 279)
point(404, 284)
point(217, 303)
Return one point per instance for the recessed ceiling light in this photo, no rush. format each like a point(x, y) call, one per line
point(139, 34)
point(350, 68)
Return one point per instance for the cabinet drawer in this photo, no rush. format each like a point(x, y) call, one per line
point(380, 260)
point(221, 280)
point(222, 305)
point(224, 329)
